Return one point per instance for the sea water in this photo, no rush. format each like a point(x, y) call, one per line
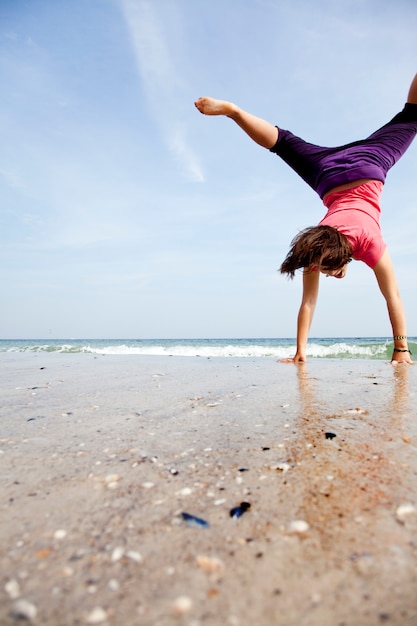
point(334, 348)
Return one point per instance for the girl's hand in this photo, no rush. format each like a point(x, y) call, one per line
point(401, 357)
point(300, 357)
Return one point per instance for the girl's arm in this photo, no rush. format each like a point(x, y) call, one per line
point(385, 275)
point(305, 314)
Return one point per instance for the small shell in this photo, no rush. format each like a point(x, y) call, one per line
point(23, 609)
point(117, 554)
point(97, 616)
point(12, 588)
point(210, 564)
point(60, 534)
point(112, 478)
point(182, 605)
point(192, 520)
point(135, 556)
point(404, 510)
point(281, 467)
point(298, 526)
point(238, 511)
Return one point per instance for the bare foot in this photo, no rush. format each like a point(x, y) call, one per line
point(211, 106)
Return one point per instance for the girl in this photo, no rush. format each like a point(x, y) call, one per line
point(349, 179)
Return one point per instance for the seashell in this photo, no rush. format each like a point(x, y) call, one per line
point(182, 605)
point(238, 511)
point(12, 588)
point(117, 554)
point(135, 556)
point(404, 510)
point(60, 534)
point(97, 616)
point(210, 564)
point(24, 610)
point(281, 467)
point(298, 526)
point(192, 520)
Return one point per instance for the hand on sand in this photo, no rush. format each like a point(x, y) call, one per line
point(211, 106)
point(402, 360)
point(295, 359)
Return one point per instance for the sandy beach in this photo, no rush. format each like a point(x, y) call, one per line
point(101, 456)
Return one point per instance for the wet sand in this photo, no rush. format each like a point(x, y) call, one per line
point(100, 456)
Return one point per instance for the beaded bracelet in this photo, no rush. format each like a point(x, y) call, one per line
point(398, 350)
point(399, 337)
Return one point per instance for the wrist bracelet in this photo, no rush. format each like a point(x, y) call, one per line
point(399, 337)
point(398, 350)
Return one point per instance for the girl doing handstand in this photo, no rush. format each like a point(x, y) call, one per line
point(349, 179)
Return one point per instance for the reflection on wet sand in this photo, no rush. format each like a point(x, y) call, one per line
point(349, 453)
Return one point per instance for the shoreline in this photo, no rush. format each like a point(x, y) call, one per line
point(374, 348)
point(100, 456)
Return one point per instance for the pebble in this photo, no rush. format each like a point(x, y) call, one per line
point(281, 467)
point(97, 616)
point(112, 480)
point(113, 585)
point(12, 588)
point(182, 605)
point(210, 564)
point(135, 556)
point(298, 526)
point(404, 510)
point(117, 554)
point(23, 609)
point(68, 571)
point(60, 534)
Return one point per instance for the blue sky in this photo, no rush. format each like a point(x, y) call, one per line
point(125, 213)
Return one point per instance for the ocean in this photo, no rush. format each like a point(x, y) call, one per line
point(379, 348)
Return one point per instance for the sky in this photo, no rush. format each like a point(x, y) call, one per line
point(125, 213)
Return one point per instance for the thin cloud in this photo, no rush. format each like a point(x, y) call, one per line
point(160, 80)
point(151, 51)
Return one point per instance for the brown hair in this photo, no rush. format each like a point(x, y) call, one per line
point(321, 246)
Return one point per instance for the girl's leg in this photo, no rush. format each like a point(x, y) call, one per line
point(412, 94)
point(261, 131)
